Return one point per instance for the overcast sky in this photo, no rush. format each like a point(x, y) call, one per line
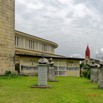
point(70, 23)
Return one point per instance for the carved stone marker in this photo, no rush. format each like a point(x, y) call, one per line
point(94, 75)
point(51, 75)
point(42, 72)
point(51, 71)
point(100, 78)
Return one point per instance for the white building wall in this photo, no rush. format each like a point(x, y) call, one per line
point(32, 44)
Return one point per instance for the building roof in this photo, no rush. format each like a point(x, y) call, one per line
point(32, 53)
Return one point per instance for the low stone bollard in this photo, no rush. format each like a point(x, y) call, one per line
point(100, 78)
point(42, 75)
point(51, 74)
point(94, 75)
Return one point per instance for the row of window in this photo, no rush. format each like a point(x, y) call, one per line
point(65, 68)
point(55, 68)
point(28, 68)
point(33, 45)
point(60, 73)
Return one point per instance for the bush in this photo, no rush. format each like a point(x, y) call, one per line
point(86, 73)
point(10, 74)
point(13, 75)
point(7, 73)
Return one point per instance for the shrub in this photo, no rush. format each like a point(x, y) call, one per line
point(86, 73)
point(13, 75)
point(10, 74)
point(7, 73)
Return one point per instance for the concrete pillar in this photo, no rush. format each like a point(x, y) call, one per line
point(42, 72)
point(51, 75)
point(100, 78)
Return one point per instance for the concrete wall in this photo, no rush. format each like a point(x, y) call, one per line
point(7, 26)
point(28, 65)
point(73, 73)
point(26, 41)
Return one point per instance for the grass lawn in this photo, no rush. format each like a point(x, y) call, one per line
point(67, 90)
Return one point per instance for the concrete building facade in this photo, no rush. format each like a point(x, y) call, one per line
point(29, 49)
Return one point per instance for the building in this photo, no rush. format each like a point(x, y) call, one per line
point(28, 50)
point(21, 51)
point(87, 56)
point(87, 53)
point(7, 35)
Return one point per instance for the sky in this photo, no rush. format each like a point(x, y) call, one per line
point(72, 24)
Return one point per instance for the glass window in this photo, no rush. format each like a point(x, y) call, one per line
point(16, 40)
point(44, 47)
point(28, 67)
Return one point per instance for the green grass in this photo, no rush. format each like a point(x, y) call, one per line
point(67, 90)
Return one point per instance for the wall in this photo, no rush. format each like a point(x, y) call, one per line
point(28, 65)
point(31, 42)
point(7, 26)
point(75, 72)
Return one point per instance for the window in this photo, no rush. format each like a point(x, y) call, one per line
point(28, 67)
point(16, 40)
point(33, 45)
point(40, 46)
point(44, 47)
point(62, 73)
point(62, 68)
point(55, 68)
point(30, 44)
point(73, 68)
point(52, 49)
point(71, 63)
point(36, 45)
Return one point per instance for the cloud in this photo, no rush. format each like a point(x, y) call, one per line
point(99, 54)
point(72, 24)
point(76, 56)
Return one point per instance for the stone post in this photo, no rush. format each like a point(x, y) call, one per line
point(51, 75)
point(100, 78)
point(94, 75)
point(42, 72)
